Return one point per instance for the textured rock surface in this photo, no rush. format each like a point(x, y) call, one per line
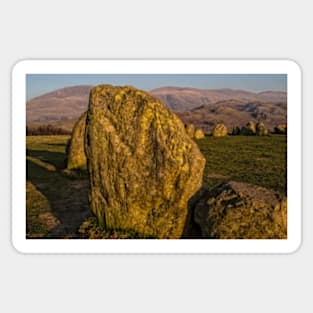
point(143, 166)
point(199, 134)
point(190, 130)
point(220, 130)
point(260, 129)
point(249, 129)
point(238, 210)
point(76, 152)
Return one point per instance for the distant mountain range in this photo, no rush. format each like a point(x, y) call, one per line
point(202, 107)
point(188, 98)
point(62, 104)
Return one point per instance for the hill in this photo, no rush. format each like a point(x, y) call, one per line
point(234, 113)
point(188, 98)
point(202, 107)
point(62, 104)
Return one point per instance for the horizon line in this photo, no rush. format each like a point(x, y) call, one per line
point(161, 87)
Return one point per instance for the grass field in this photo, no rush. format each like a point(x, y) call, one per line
point(256, 160)
point(57, 202)
point(51, 192)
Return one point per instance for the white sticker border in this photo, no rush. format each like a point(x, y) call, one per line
point(294, 158)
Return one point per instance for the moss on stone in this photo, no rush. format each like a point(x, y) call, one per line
point(220, 130)
point(142, 165)
point(237, 210)
point(76, 159)
point(199, 134)
point(260, 129)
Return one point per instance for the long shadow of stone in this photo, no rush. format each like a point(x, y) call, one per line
point(57, 159)
point(68, 198)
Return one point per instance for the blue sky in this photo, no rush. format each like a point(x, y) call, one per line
point(38, 84)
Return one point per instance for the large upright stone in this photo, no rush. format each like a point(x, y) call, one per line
point(143, 166)
point(76, 158)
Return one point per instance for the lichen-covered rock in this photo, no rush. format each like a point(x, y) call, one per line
point(260, 129)
point(199, 134)
point(237, 210)
point(143, 167)
point(281, 129)
point(220, 130)
point(249, 129)
point(190, 130)
point(76, 157)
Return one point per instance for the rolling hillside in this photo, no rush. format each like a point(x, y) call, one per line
point(62, 104)
point(188, 98)
point(204, 108)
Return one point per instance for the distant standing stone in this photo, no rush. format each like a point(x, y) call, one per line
point(143, 166)
point(199, 134)
point(220, 130)
point(261, 130)
point(76, 153)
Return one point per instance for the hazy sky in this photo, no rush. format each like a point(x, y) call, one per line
point(38, 84)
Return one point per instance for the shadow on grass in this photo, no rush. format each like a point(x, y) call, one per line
point(68, 198)
point(58, 159)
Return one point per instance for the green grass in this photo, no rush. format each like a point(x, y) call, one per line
point(50, 149)
point(56, 198)
point(37, 206)
point(256, 160)
point(51, 190)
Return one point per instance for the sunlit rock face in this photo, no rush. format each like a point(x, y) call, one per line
point(143, 167)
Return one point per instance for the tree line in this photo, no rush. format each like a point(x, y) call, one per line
point(46, 130)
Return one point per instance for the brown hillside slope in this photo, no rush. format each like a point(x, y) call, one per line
point(62, 104)
point(203, 108)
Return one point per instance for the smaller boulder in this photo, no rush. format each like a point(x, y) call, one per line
point(199, 134)
point(237, 210)
point(220, 130)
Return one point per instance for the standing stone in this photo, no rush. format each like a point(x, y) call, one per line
point(261, 130)
point(237, 210)
point(76, 152)
point(281, 129)
point(143, 166)
point(220, 130)
point(199, 134)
